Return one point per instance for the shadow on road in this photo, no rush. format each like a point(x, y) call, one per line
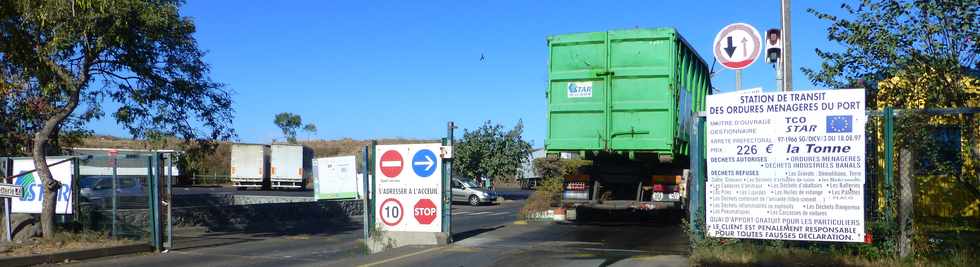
point(471, 233)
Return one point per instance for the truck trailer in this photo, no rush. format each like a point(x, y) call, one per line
point(290, 166)
point(624, 100)
point(249, 166)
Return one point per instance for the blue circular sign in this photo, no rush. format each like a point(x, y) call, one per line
point(424, 163)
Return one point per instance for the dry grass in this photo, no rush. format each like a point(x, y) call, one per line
point(62, 242)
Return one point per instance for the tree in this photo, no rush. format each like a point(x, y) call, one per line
point(489, 152)
point(310, 128)
point(60, 55)
point(916, 55)
point(288, 123)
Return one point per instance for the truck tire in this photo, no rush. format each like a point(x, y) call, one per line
point(474, 200)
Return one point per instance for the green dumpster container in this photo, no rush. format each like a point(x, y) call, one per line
point(622, 91)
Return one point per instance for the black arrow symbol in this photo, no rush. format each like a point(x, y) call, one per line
point(730, 49)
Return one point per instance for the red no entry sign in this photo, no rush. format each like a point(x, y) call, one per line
point(391, 163)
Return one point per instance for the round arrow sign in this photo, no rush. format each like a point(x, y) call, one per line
point(737, 46)
point(424, 163)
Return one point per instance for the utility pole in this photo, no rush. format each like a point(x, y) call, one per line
point(787, 38)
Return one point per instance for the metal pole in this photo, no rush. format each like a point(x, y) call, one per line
point(787, 55)
point(374, 154)
point(170, 200)
point(447, 196)
point(364, 198)
point(6, 201)
point(779, 75)
point(738, 80)
point(6, 219)
point(115, 198)
point(889, 136)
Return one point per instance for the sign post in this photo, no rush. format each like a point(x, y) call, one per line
point(736, 47)
point(409, 182)
point(786, 165)
point(8, 191)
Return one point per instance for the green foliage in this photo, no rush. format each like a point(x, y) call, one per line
point(912, 54)
point(288, 123)
point(490, 152)
point(141, 53)
point(883, 38)
point(59, 56)
point(548, 193)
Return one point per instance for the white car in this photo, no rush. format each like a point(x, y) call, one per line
point(470, 192)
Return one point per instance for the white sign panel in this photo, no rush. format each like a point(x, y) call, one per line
point(786, 165)
point(737, 46)
point(409, 188)
point(579, 89)
point(336, 178)
point(30, 201)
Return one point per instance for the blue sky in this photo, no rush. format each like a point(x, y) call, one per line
point(377, 69)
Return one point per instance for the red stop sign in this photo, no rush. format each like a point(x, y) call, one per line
point(425, 211)
point(391, 163)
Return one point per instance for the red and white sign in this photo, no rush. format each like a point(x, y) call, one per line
point(425, 211)
point(398, 183)
point(391, 212)
point(737, 46)
point(391, 163)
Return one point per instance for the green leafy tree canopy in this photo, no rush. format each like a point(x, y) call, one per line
point(62, 59)
point(490, 152)
point(288, 123)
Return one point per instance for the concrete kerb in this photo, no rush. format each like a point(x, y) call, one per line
point(60, 257)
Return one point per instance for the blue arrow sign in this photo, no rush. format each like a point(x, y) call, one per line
point(424, 163)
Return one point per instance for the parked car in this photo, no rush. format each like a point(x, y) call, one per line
point(469, 191)
point(97, 190)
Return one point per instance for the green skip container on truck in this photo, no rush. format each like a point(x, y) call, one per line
point(624, 99)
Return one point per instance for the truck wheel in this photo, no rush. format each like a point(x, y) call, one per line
point(474, 200)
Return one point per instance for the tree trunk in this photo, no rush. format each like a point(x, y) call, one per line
point(906, 193)
point(49, 185)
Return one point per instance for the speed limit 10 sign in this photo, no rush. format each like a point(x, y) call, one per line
point(409, 177)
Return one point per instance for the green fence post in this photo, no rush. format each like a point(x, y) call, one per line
point(374, 185)
point(889, 118)
point(154, 202)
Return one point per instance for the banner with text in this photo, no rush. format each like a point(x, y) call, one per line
point(30, 201)
point(336, 178)
point(786, 165)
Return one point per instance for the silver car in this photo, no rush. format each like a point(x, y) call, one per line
point(469, 192)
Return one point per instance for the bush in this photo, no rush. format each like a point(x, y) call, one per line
point(548, 192)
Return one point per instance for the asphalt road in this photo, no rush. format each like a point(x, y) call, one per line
point(659, 241)
point(484, 236)
point(316, 247)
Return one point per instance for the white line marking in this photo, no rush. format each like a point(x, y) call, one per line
point(402, 257)
point(499, 213)
point(480, 213)
point(391, 164)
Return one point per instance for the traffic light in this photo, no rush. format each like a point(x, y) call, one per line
point(774, 45)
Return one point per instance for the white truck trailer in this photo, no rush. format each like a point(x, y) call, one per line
point(291, 166)
point(249, 166)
